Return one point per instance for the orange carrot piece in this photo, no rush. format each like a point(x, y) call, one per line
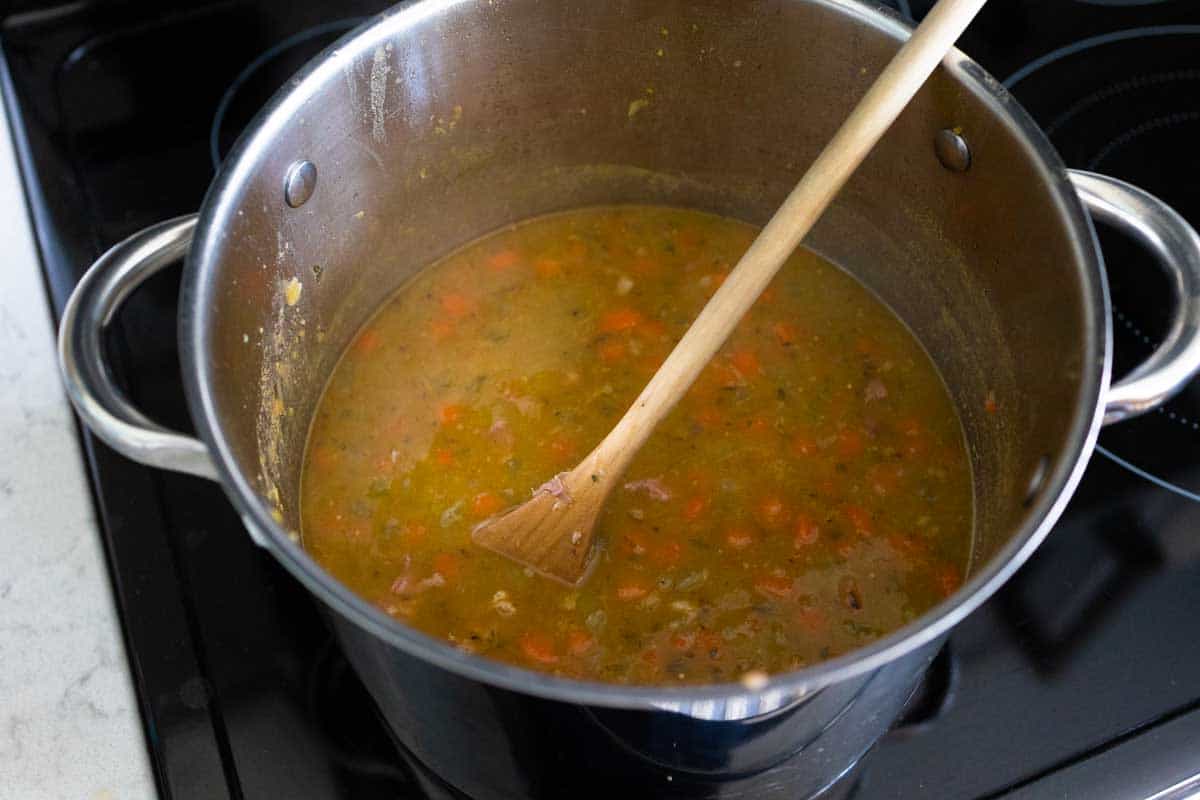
point(806, 530)
point(694, 507)
point(620, 319)
point(771, 512)
point(666, 554)
point(652, 329)
point(773, 586)
point(611, 351)
point(413, 532)
point(485, 504)
point(548, 267)
point(849, 444)
point(579, 642)
point(367, 342)
point(538, 647)
point(443, 457)
point(858, 518)
point(457, 304)
point(451, 413)
point(948, 580)
point(563, 448)
point(759, 426)
point(631, 591)
point(739, 538)
point(448, 564)
point(785, 333)
point(503, 260)
point(683, 641)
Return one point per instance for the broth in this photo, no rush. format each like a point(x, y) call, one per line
point(811, 493)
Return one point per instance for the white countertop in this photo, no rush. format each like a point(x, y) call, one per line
point(69, 724)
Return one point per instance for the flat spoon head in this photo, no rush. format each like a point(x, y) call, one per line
point(554, 530)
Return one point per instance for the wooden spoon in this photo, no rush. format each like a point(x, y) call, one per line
point(553, 531)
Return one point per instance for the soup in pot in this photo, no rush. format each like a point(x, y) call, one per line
point(811, 493)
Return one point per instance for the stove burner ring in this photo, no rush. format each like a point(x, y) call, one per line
point(1156, 123)
point(1095, 41)
point(214, 134)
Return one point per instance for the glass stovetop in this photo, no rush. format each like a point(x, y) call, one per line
point(1081, 676)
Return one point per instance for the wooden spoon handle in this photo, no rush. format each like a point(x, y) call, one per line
point(865, 126)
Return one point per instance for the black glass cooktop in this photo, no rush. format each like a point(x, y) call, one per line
point(1081, 677)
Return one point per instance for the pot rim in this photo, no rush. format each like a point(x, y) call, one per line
point(198, 288)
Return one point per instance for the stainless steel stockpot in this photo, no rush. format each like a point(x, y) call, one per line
point(444, 119)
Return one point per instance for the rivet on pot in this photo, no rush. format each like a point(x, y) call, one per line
point(952, 150)
point(299, 183)
point(1037, 480)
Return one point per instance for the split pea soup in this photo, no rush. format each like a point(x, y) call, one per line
point(810, 494)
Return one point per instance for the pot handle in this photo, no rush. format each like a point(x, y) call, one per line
point(1176, 245)
point(89, 381)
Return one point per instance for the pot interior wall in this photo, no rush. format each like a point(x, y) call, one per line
point(450, 119)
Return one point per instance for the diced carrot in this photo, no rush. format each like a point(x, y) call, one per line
point(803, 444)
point(724, 375)
point(611, 351)
point(548, 267)
point(457, 304)
point(708, 416)
point(503, 260)
point(619, 319)
point(739, 538)
point(650, 656)
point(538, 647)
point(579, 642)
point(683, 641)
point(694, 507)
point(451, 413)
point(448, 564)
point(562, 448)
point(773, 586)
point(785, 333)
point(867, 346)
point(849, 444)
point(441, 329)
point(666, 554)
point(948, 580)
point(485, 504)
point(806, 530)
point(367, 342)
point(771, 512)
point(635, 542)
point(631, 591)
point(989, 402)
point(413, 532)
point(443, 456)
point(858, 518)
